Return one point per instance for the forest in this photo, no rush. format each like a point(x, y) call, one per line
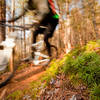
point(70, 70)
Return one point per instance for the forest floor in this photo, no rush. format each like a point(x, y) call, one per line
point(62, 89)
point(58, 89)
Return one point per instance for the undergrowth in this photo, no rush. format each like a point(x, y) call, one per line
point(81, 65)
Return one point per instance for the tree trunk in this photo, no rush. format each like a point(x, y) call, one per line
point(67, 39)
point(94, 19)
point(2, 17)
point(24, 37)
point(13, 12)
point(23, 19)
point(59, 32)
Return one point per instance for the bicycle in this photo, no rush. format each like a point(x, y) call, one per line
point(39, 54)
point(41, 57)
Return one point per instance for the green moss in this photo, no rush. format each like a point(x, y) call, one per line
point(84, 64)
point(95, 93)
point(17, 95)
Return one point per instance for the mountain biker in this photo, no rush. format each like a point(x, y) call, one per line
point(49, 21)
point(46, 13)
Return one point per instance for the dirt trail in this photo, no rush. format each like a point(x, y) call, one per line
point(22, 79)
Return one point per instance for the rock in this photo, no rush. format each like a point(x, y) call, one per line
point(52, 81)
point(27, 97)
point(58, 83)
point(76, 97)
point(73, 98)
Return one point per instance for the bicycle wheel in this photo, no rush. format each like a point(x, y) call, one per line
point(41, 56)
point(54, 52)
point(5, 72)
point(5, 77)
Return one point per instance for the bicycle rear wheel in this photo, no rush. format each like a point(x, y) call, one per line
point(41, 56)
point(54, 52)
point(5, 77)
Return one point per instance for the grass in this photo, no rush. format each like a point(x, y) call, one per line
point(15, 96)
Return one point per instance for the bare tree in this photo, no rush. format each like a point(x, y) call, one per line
point(13, 12)
point(2, 17)
point(67, 39)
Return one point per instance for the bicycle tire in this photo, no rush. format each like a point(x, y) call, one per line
point(52, 52)
point(3, 83)
point(56, 50)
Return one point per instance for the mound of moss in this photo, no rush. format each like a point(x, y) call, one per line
point(83, 64)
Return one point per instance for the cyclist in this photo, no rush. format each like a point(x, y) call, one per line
point(46, 13)
point(50, 21)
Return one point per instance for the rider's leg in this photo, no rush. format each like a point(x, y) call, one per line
point(37, 31)
point(49, 33)
point(46, 37)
